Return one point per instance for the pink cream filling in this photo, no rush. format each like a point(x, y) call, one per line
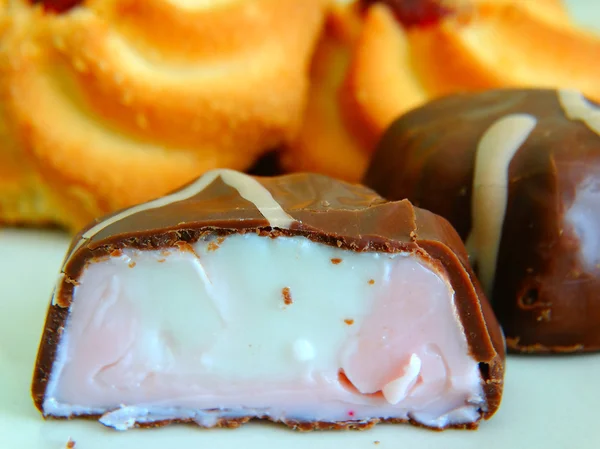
point(253, 326)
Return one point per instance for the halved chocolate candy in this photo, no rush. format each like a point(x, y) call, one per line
point(517, 172)
point(297, 299)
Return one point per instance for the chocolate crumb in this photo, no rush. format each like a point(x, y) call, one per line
point(131, 264)
point(287, 296)
point(376, 442)
point(349, 321)
point(70, 444)
point(213, 246)
point(336, 261)
point(371, 281)
point(161, 260)
point(116, 253)
point(183, 246)
point(71, 281)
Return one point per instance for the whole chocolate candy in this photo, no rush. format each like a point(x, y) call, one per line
point(517, 172)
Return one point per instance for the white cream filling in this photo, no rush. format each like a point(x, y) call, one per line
point(254, 326)
point(584, 219)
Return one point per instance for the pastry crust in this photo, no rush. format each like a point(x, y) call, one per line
point(392, 69)
point(327, 143)
point(116, 102)
point(23, 198)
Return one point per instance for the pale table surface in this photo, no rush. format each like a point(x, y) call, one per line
point(549, 402)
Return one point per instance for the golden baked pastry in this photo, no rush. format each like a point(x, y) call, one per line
point(114, 102)
point(21, 195)
point(325, 142)
point(479, 44)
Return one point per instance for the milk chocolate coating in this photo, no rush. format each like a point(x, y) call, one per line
point(543, 295)
point(324, 210)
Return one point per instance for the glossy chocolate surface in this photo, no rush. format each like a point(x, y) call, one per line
point(545, 296)
point(319, 208)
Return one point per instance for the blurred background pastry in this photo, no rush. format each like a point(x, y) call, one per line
point(105, 103)
point(384, 58)
point(108, 103)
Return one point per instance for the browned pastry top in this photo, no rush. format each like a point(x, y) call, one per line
point(111, 103)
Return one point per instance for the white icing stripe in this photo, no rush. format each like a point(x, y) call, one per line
point(248, 188)
point(494, 153)
point(576, 107)
point(253, 191)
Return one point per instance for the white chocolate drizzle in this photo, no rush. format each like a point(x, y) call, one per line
point(576, 107)
point(494, 153)
point(248, 188)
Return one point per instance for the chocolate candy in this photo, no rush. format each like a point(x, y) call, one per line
point(297, 299)
point(517, 172)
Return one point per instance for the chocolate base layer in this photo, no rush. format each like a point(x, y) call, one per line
point(346, 217)
point(516, 171)
point(294, 425)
